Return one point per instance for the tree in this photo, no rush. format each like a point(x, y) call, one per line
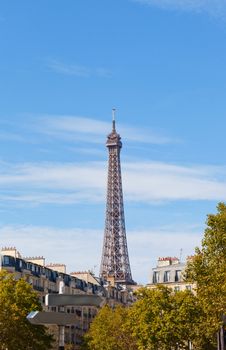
point(208, 270)
point(108, 331)
point(150, 320)
point(188, 320)
point(163, 320)
point(17, 299)
point(158, 320)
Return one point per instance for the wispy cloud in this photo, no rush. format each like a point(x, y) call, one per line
point(213, 7)
point(157, 181)
point(149, 182)
point(52, 183)
point(74, 129)
point(90, 151)
point(40, 198)
point(145, 247)
point(10, 136)
point(77, 70)
point(94, 130)
point(80, 249)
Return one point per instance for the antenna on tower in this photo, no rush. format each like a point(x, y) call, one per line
point(113, 118)
point(181, 252)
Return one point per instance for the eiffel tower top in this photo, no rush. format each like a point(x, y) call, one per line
point(114, 138)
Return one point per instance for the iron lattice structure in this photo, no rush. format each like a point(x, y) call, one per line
point(115, 258)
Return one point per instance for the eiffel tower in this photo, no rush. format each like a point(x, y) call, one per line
point(115, 259)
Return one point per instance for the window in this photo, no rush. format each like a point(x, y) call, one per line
point(177, 275)
point(188, 287)
point(78, 312)
point(176, 289)
point(6, 260)
point(166, 276)
point(156, 277)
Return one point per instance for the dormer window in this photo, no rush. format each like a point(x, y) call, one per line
point(177, 275)
point(156, 277)
point(166, 276)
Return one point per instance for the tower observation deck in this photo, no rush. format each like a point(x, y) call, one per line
point(115, 259)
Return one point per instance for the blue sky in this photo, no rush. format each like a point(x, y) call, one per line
point(63, 67)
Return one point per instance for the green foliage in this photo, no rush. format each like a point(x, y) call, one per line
point(208, 270)
point(162, 320)
point(17, 299)
point(158, 320)
point(108, 331)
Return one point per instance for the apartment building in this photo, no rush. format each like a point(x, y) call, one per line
point(169, 272)
point(45, 279)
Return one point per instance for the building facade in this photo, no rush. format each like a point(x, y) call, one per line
point(169, 272)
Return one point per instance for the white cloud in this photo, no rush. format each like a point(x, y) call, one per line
point(148, 182)
point(53, 175)
point(145, 247)
point(159, 181)
point(80, 249)
point(50, 198)
point(76, 128)
point(7, 136)
point(213, 7)
point(76, 124)
point(91, 151)
point(77, 70)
